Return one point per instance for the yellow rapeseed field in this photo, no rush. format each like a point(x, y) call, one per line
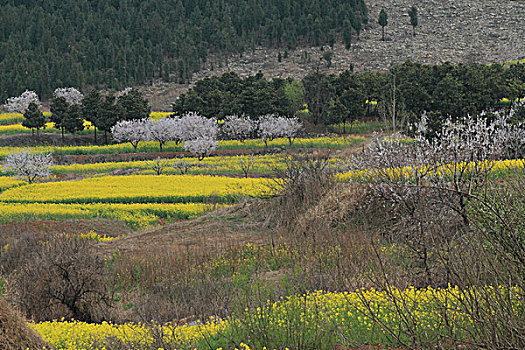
point(138, 189)
point(409, 173)
point(8, 182)
point(137, 215)
point(83, 336)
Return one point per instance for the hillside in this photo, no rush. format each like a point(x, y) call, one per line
point(114, 44)
point(480, 31)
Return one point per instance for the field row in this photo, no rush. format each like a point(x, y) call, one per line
point(227, 165)
point(137, 216)
point(18, 118)
point(139, 189)
point(409, 174)
point(390, 318)
point(152, 146)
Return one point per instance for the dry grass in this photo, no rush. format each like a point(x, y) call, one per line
point(14, 332)
point(216, 231)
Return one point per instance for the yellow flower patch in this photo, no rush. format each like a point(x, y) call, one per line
point(138, 189)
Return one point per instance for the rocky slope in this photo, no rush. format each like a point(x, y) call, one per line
point(467, 31)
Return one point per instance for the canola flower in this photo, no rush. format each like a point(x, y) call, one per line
point(7, 182)
point(159, 115)
point(262, 164)
point(13, 129)
point(11, 118)
point(69, 335)
point(445, 171)
point(370, 316)
point(221, 165)
point(366, 316)
point(136, 215)
point(505, 101)
point(153, 146)
point(93, 236)
point(139, 189)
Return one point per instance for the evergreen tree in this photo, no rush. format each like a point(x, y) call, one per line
point(347, 34)
point(383, 21)
point(110, 112)
point(91, 109)
point(34, 118)
point(118, 43)
point(413, 19)
point(74, 121)
point(59, 110)
point(133, 106)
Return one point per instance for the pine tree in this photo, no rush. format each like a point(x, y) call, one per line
point(134, 105)
point(59, 108)
point(74, 121)
point(383, 21)
point(347, 33)
point(34, 118)
point(413, 19)
point(91, 109)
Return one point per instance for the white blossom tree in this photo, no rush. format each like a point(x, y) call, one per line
point(164, 130)
point(19, 104)
point(195, 126)
point(272, 126)
point(28, 165)
point(72, 95)
point(238, 128)
point(132, 131)
point(268, 128)
point(290, 127)
point(158, 165)
point(201, 147)
point(199, 134)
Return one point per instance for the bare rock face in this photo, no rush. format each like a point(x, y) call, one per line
point(466, 31)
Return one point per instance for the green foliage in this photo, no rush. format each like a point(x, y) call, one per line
point(133, 106)
point(59, 109)
point(294, 92)
point(347, 34)
point(229, 94)
point(113, 44)
point(34, 118)
point(65, 116)
point(74, 122)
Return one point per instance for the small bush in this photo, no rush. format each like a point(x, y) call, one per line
point(63, 278)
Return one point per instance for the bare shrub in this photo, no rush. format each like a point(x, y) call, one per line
point(302, 184)
point(458, 227)
point(64, 278)
point(158, 165)
point(18, 250)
